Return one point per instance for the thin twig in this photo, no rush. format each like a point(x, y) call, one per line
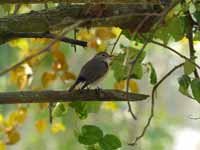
point(114, 45)
point(46, 49)
point(176, 52)
point(75, 32)
point(163, 14)
point(17, 7)
point(153, 103)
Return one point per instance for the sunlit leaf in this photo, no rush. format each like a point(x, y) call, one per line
point(110, 142)
point(60, 61)
point(116, 31)
point(57, 128)
point(90, 134)
point(41, 125)
point(84, 34)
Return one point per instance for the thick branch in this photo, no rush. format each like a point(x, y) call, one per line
point(44, 21)
point(80, 1)
point(64, 96)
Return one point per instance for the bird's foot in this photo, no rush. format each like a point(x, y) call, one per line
point(98, 90)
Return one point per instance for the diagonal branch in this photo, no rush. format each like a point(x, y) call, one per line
point(153, 102)
point(52, 96)
point(46, 49)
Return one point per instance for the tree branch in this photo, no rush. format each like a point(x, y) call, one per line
point(64, 96)
point(44, 35)
point(44, 21)
point(81, 1)
point(46, 49)
point(153, 102)
point(190, 40)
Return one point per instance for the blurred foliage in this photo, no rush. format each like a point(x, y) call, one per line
point(95, 125)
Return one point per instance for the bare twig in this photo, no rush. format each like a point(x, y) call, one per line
point(176, 52)
point(153, 102)
point(46, 49)
point(164, 13)
point(52, 96)
point(114, 45)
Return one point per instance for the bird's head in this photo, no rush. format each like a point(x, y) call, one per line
point(103, 56)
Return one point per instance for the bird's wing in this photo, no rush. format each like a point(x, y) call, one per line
point(93, 70)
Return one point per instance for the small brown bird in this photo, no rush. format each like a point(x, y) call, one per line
point(94, 70)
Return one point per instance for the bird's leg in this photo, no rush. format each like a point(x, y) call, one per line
point(98, 90)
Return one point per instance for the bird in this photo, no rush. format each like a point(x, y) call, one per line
point(93, 71)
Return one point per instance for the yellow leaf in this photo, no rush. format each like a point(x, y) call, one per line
point(1, 118)
point(84, 34)
point(60, 62)
point(68, 76)
point(57, 127)
point(104, 33)
point(101, 47)
point(110, 106)
point(2, 145)
point(48, 78)
point(21, 114)
point(133, 86)
point(116, 31)
point(55, 46)
point(13, 136)
point(119, 85)
point(20, 43)
point(41, 125)
point(20, 75)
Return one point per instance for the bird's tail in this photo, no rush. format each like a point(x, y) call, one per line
point(73, 86)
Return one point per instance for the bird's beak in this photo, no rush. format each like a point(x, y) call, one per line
point(111, 57)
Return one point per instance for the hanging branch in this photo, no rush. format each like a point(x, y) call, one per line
point(164, 13)
point(176, 52)
point(153, 103)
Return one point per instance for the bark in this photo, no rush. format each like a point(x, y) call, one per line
point(45, 21)
point(64, 96)
point(81, 1)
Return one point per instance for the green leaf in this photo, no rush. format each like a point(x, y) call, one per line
point(184, 83)
point(110, 142)
point(59, 110)
point(195, 86)
point(153, 76)
point(188, 67)
point(197, 16)
point(90, 135)
point(83, 108)
point(120, 70)
point(80, 109)
point(175, 28)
